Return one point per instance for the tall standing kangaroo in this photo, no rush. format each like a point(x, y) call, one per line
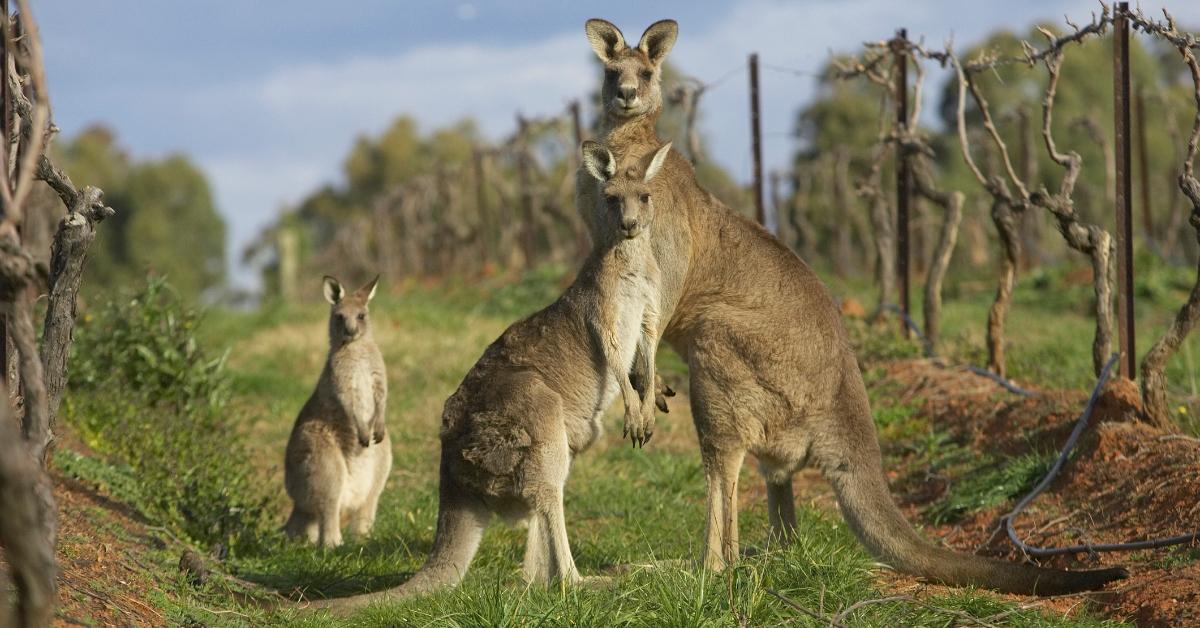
point(536, 397)
point(339, 455)
point(771, 369)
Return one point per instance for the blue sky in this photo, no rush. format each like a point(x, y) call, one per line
point(267, 97)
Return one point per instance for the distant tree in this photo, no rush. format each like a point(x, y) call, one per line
point(168, 225)
point(174, 228)
point(837, 134)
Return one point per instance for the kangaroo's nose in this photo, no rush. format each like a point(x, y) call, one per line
point(629, 224)
point(627, 93)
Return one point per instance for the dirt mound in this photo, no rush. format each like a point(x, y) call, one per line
point(1126, 481)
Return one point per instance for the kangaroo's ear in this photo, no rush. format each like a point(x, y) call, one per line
point(658, 39)
point(657, 162)
point(598, 161)
point(606, 39)
point(333, 290)
point(369, 289)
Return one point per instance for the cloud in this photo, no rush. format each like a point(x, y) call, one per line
point(316, 110)
point(252, 188)
point(437, 84)
point(466, 11)
point(268, 140)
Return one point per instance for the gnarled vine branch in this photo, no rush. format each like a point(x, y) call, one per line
point(1154, 384)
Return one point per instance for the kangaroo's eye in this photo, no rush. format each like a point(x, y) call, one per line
point(645, 198)
point(610, 75)
point(362, 316)
point(613, 202)
point(647, 75)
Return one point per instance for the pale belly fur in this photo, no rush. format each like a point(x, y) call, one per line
point(362, 472)
point(362, 399)
point(634, 295)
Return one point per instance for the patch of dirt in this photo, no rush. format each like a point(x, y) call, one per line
point(1126, 481)
point(103, 577)
point(853, 308)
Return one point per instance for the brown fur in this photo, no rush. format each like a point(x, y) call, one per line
point(772, 371)
point(536, 397)
point(339, 454)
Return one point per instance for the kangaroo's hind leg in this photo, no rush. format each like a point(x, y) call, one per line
point(301, 525)
point(548, 552)
point(326, 495)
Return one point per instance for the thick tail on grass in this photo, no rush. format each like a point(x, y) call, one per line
point(873, 516)
point(459, 529)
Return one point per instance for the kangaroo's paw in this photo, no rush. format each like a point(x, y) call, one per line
point(661, 392)
point(637, 428)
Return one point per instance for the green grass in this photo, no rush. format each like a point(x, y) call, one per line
point(624, 506)
point(992, 482)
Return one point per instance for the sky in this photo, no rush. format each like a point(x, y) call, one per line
point(268, 97)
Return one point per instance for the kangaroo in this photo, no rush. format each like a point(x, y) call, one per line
point(339, 454)
point(771, 369)
point(536, 397)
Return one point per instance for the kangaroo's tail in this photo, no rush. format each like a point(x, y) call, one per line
point(460, 527)
point(851, 461)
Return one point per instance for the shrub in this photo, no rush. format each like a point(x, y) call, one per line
point(145, 393)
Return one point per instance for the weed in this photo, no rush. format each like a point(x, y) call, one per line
point(146, 394)
point(993, 484)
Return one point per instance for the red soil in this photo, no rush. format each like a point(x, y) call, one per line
point(1126, 481)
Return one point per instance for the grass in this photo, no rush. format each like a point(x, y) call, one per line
point(993, 482)
point(625, 506)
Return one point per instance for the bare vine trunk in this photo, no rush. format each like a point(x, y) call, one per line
point(870, 189)
point(27, 504)
point(1101, 253)
point(797, 213)
point(68, 254)
point(1005, 219)
point(952, 204)
point(1154, 365)
point(844, 229)
point(1154, 379)
point(885, 248)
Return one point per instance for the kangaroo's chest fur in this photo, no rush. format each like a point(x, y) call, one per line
point(626, 285)
point(353, 376)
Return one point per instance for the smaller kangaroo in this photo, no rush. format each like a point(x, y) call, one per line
point(536, 396)
point(339, 454)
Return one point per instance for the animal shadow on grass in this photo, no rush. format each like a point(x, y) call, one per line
point(300, 571)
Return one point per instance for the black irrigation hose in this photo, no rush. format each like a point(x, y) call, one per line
point(1007, 384)
point(912, 326)
point(1080, 425)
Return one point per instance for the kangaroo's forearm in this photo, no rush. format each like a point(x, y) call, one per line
point(641, 378)
point(646, 354)
point(629, 396)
